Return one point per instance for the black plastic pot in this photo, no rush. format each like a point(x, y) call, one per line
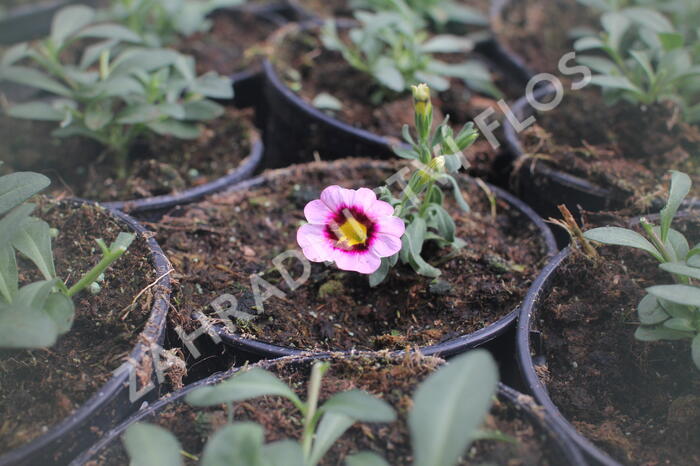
point(153, 207)
point(111, 404)
point(567, 452)
point(296, 131)
point(247, 349)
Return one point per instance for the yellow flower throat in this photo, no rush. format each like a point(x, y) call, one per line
point(352, 232)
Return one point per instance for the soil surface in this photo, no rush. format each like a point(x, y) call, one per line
point(159, 164)
point(310, 70)
point(638, 401)
point(39, 388)
point(216, 245)
point(540, 32)
point(394, 382)
point(342, 8)
point(624, 148)
point(234, 43)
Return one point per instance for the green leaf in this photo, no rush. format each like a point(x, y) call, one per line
point(588, 43)
point(365, 458)
point(175, 128)
point(92, 52)
point(284, 453)
point(61, 310)
point(405, 153)
point(446, 43)
point(68, 21)
point(14, 54)
point(10, 223)
point(676, 243)
point(660, 333)
point(325, 101)
point(34, 295)
point(122, 242)
point(680, 268)
point(622, 237)
point(34, 241)
point(240, 443)
point(443, 222)
point(381, 273)
point(41, 111)
point(649, 19)
point(9, 278)
point(412, 245)
point(386, 73)
point(671, 40)
point(359, 405)
point(457, 192)
point(650, 312)
point(135, 114)
point(24, 327)
point(616, 25)
point(680, 187)
point(98, 114)
point(449, 407)
point(213, 85)
point(109, 31)
point(676, 310)
point(16, 188)
point(34, 78)
point(680, 324)
point(679, 294)
point(151, 445)
point(331, 427)
point(695, 350)
point(242, 386)
point(614, 82)
point(202, 110)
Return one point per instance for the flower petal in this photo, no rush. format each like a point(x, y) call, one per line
point(335, 197)
point(379, 209)
point(393, 226)
point(365, 262)
point(317, 212)
point(314, 244)
point(364, 198)
point(385, 245)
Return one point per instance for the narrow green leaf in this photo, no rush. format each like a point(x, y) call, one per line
point(622, 237)
point(61, 310)
point(680, 187)
point(16, 188)
point(151, 445)
point(242, 386)
point(34, 78)
point(457, 192)
point(660, 333)
point(284, 453)
point(682, 325)
point(446, 43)
point(109, 31)
point(202, 110)
point(679, 294)
point(175, 128)
point(331, 427)
point(449, 407)
point(34, 241)
point(14, 54)
point(680, 268)
point(41, 111)
point(359, 405)
point(24, 327)
point(671, 40)
point(10, 223)
point(614, 82)
point(9, 277)
point(122, 242)
point(68, 21)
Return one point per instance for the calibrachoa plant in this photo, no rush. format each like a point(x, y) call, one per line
point(116, 92)
point(35, 315)
point(369, 234)
point(667, 312)
point(447, 410)
point(396, 50)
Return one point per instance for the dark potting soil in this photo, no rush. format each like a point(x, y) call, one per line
point(234, 43)
point(309, 69)
point(394, 382)
point(624, 148)
point(540, 31)
point(638, 401)
point(343, 9)
point(159, 164)
point(216, 245)
point(40, 387)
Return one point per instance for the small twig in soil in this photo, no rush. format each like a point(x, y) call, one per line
point(128, 308)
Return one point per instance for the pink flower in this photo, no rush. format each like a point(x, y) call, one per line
point(351, 228)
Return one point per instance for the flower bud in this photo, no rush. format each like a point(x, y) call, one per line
point(423, 110)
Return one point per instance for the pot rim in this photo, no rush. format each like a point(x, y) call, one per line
point(450, 347)
point(153, 332)
point(506, 393)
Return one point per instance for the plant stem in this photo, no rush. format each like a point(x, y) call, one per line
point(91, 276)
point(317, 372)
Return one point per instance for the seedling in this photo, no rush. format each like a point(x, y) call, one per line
point(448, 409)
point(667, 312)
point(36, 314)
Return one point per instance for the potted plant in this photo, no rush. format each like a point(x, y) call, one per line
point(374, 389)
point(460, 274)
point(585, 306)
point(347, 85)
point(132, 117)
point(70, 311)
point(588, 150)
point(22, 20)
